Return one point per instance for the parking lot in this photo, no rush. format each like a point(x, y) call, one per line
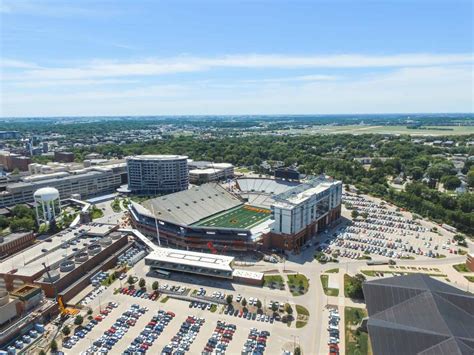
point(279, 331)
point(381, 231)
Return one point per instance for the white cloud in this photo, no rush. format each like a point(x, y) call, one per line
point(157, 67)
point(300, 78)
point(12, 63)
point(408, 89)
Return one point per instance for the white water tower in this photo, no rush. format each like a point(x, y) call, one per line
point(47, 204)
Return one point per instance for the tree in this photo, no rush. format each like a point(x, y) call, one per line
point(288, 309)
point(297, 351)
point(42, 352)
point(89, 311)
point(20, 224)
point(4, 222)
point(54, 346)
point(66, 330)
point(78, 320)
point(451, 182)
point(259, 304)
point(417, 173)
point(470, 178)
point(354, 289)
point(155, 285)
point(21, 211)
point(460, 239)
point(229, 299)
point(142, 283)
point(130, 280)
point(244, 302)
point(274, 307)
point(436, 171)
point(354, 214)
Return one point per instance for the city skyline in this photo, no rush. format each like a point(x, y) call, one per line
point(103, 58)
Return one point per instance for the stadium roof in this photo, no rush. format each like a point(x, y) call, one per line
point(416, 314)
point(190, 206)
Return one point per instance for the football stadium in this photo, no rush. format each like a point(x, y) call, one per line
point(245, 216)
point(254, 213)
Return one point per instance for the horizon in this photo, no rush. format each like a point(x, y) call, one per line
point(418, 115)
point(100, 58)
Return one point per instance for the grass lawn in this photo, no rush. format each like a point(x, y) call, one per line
point(213, 308)
point(357, 343)
point(461, 268)
point(298, 284)
point(165, 299)
point(332, 271)
point(328, 291)
point(392, 129)
point(469, 278)
point(347, 281)
point(273, 281)
point(96, 213)
point(302, 315)
point(241, 217)
point(302, 310)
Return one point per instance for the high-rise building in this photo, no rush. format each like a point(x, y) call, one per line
point(157, 174)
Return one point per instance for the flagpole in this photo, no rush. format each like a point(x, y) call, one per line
point(156, 225)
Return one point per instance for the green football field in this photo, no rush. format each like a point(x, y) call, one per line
point(241, 217)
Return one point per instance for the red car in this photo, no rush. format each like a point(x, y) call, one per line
point(171, 313)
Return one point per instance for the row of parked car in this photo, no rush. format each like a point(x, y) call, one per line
point(220, 339)
point(24, 340)
point(92, 295)
point(81, 332)
point(131, 256)
point(202, 305)
point(256, 342)
point(153, 296)
point(111, 336)
point(186, 335)
point(333, 329)
point(152, 331)
point(231, 311)
point(171, 288)
point(98, 278)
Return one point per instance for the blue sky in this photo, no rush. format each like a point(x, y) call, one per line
point(235, 57)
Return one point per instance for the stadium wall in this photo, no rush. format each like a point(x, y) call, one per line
point(196, 238)
point(294, 242)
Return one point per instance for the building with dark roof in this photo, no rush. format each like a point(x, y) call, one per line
point(416, 314)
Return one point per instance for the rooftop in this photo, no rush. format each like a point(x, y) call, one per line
point(192, 258)
point(302, 192)
point(157, 157)
point(417, 314)
point(51, 251)
point(248, 274)
point(206, 171)
point(13, 236)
